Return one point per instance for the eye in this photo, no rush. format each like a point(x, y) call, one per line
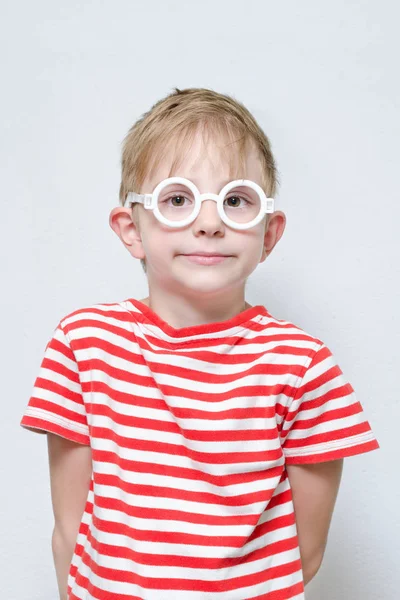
point(177, 200)
point(175, 197)
point(237, 200)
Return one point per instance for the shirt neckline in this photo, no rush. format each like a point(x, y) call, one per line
point(233, 324)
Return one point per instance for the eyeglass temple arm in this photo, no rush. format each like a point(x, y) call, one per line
point(132, 197)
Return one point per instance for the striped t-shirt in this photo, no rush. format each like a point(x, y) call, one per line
point(190, 431)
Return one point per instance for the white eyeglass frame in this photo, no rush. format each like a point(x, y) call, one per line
point(150, 202)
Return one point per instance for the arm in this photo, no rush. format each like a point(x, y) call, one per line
point(314, 488)
point(70, 467)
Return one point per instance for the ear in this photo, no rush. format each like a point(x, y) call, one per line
point(128, 230)
point(273, 232)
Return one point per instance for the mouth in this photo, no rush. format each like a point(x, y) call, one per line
point(206, 254)
point(206, 259)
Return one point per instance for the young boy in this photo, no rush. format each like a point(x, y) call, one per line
point(195, 441)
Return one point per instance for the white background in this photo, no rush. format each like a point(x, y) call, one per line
point(322, 79)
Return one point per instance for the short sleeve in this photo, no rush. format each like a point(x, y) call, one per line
point(324, 421)
point(56, 404)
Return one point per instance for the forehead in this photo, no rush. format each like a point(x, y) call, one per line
point(209, 158)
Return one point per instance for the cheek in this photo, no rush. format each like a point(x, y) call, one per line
point(252, 247)
point(159, 244)
point(250, 241)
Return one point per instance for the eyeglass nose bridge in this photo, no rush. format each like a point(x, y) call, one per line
point(209, 196)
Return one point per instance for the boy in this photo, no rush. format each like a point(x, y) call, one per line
point(196, 442)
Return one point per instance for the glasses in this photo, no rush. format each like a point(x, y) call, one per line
point(176, 202)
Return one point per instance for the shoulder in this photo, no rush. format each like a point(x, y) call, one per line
point(100, 316)
point(289, 338)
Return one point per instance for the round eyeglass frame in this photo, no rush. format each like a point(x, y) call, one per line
point(150, 202)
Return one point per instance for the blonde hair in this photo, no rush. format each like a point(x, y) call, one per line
point(175, 119)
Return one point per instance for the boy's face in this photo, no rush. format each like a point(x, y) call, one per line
point(164, 248)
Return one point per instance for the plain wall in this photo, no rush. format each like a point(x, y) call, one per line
point(322, 80)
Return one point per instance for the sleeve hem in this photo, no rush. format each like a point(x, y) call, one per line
point(38, 425)
point(333, 454)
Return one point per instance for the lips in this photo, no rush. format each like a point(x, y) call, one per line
point(205, 259)
point(205, 254)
